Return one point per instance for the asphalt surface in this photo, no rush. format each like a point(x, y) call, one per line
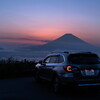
point(28, 89)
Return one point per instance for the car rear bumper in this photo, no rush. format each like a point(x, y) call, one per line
point(81, 82)
point(85, 85)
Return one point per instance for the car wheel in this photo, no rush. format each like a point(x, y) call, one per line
point(56, 85)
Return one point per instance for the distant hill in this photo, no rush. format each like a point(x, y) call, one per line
point(66, 42)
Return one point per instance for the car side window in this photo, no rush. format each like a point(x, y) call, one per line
point(61, 59)
point(54, 59)
point(51, 59)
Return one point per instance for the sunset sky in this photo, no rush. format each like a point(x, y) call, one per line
point(39, 21)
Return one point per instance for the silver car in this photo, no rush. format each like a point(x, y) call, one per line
point(80, 69)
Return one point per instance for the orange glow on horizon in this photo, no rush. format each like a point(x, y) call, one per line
point(46, 33)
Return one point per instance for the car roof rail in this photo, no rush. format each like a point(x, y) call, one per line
point(84, 52)
point(59, 52)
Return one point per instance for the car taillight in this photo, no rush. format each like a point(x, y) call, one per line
point(68, 68)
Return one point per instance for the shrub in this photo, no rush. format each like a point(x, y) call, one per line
point(12, 67)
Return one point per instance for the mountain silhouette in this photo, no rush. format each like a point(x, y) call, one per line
point(66, 42)
point(69, 38)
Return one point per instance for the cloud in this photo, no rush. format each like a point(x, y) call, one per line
point(46, 41)
point(1, 48)
point(24, 39)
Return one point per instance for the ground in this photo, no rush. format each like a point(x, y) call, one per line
point(27, 89)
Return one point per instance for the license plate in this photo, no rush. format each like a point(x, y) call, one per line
point(89, 72)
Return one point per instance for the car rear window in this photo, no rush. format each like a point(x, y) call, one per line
point(83, 59)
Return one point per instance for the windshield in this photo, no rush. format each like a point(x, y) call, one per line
point(83, 59)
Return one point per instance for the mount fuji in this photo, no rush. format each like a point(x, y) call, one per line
point(66, 42)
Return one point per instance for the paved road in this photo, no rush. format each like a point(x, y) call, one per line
point(27, 89)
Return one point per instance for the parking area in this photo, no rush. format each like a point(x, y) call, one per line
point(27, 89)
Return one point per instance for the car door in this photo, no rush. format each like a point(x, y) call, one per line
point(47, 68)
point(43, 68)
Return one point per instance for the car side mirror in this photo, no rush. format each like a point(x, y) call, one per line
point(41, 62)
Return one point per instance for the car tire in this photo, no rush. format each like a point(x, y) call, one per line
point(56, 85)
